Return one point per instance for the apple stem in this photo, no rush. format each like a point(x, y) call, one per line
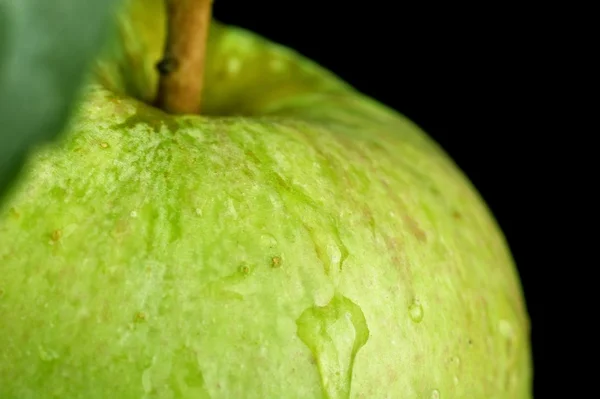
point(182, 67)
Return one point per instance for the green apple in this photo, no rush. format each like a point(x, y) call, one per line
point(298, 240)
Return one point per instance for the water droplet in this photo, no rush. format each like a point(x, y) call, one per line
point(323, 294)
point(329, 248)
point(415, 311)
point(186, 379)
point(435, 394)
point(334, 333)
point(46, 354)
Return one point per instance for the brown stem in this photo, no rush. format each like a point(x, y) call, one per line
point(182, 67)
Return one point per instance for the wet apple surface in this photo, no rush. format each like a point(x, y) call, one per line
point(299, 240)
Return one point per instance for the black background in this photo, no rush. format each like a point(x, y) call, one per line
point(469, 76)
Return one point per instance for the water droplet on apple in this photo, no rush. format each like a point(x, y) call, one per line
point(186, 379)
point(330, 249)
point(322, 295)
point(435, 394)
point(415, 311)
point(334, 333)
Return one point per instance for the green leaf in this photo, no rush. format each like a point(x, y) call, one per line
point(46, 50)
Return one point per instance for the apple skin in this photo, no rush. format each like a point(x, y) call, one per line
point(307, 243)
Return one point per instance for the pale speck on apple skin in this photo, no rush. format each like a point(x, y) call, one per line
point(231, 209)
point(147, 381)
point(268, 241)
point(133, 214)
point(46, 354)
point(276, 65)
point(234, 65)
point(505, 329)
point(435, 394)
